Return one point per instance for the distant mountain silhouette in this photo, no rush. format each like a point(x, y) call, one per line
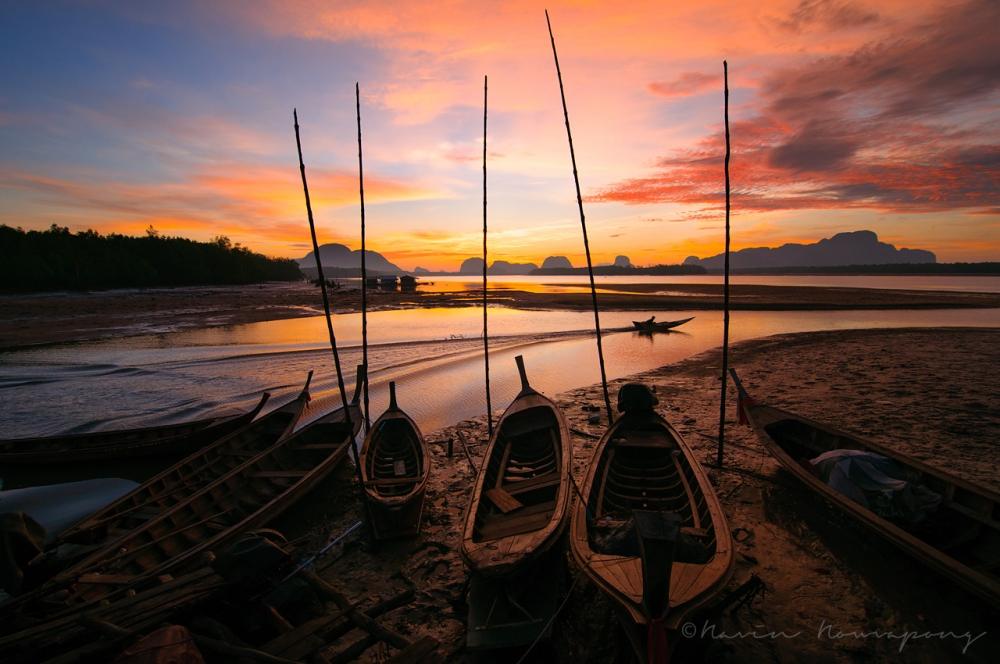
point(556, 262)
point(421, 270)
point(853, 248)
point(339, 255)
point(622, 261)
point(475, 266)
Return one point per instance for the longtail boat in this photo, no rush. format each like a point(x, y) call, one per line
point(959, 538)
point(518, 506)
point(178, 482)
point(128, 443)
point(648, 326)
point(245, 498)
point(395, 465)
point(649, 531)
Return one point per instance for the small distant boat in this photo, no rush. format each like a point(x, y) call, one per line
point(519, 504)
point(246, 497)
point(652, 326)
point(651, 533)
point(148, 441)
point(395, 465)
point(175, 484)
point(959, 539)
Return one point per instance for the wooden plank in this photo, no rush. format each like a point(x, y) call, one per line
point(540, 482)
point(514, 526)
point(102, 579)
point(279, 473)
point(504, 501)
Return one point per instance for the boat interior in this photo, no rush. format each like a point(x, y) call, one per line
point(522, 476)
point(643, 468)
point(966, 525)
point(395, 462)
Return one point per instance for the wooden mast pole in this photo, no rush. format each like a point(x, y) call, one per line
point(364, 271)
point(486, 336)
point(583, 224)
point(326, 309)
point(725, 286)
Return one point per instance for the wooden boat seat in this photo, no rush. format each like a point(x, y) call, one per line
point(643, 439)
point(503, 500)
point(540, 482)
point(532, 518)
point(390, 481)
point(972, 514)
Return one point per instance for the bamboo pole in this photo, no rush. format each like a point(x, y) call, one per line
point(583, 224)
point(725, 287)
point(364, 271)
point(486, 336)
point(329, 319)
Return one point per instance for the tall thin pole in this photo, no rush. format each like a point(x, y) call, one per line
point(364, 271)
point(583, 224)
point(725, 286)
point(326, 309)
point(486, 336)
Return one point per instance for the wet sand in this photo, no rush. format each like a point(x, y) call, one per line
point(32, 319)
point(932, 393)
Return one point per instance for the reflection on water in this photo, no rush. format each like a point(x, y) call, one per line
point(576, 283)
point(434, 355)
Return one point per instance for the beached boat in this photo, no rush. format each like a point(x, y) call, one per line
point(652, 326)
point(959, 537)
point(651, 533)
point(148, 441)
point(520, 501)
point(186, 477)
point(243, 499)
point(395, 465)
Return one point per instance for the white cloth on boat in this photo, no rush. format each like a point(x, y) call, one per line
point(58, 506)
point(876, 482)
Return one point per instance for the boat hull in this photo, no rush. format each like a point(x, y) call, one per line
point(967, 505)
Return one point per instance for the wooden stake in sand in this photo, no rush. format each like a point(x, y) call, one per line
point(725, 286)
point(486, 336)
point(583, 224)
point(364, 271)
point(329, 319)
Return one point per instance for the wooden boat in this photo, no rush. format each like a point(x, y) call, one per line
point(180, 481)
point(960, 539)
point(519, 504)
point(648, 326)
point(245, 498)
point(148, 441)
point(651, 534)
point(395, 465)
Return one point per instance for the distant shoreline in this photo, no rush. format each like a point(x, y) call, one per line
point(28, 320)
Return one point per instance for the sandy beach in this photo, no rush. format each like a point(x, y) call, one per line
point(33, 319)
point(931, 393)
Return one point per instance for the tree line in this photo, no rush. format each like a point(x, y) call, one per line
point(57, 259)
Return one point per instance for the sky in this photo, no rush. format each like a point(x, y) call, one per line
point(844, 115)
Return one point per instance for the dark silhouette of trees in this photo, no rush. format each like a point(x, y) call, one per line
point(56, 259)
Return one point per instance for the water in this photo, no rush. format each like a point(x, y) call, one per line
point(575, 283)
point(434, 355)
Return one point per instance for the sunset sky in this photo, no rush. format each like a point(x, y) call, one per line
point(845, 115)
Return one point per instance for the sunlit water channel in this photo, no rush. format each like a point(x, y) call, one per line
point(434, 355)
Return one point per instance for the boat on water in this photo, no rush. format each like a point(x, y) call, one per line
point(650, 531)
point(958, 535)
point(650, 325)
point(127, 443)
point(245, 498)
point(177, 483)
point(520, 501)
point(395, 465)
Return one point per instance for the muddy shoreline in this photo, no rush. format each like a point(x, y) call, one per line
point(931, 393)
point(38, 319)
